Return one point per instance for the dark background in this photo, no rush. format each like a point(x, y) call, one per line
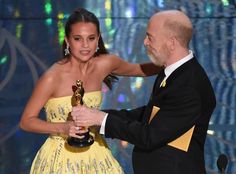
point(31, 33)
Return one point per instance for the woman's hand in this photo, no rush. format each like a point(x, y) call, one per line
point(75, 131)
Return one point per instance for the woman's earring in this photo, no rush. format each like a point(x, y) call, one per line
point(67, 51)
point(97, 48)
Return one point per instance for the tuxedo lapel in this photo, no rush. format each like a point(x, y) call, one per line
point(160, 79)
point(161, 76)
point(157, 83)
point(156, 86)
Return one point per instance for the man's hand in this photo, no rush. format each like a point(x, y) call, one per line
point(84, 116)
point(75, 131)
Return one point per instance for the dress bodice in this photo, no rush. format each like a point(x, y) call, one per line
point(58, 109)
point(56, 156)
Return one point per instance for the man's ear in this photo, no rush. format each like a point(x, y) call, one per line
point(172, 42)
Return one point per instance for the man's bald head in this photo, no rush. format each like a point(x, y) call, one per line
point(176, 24)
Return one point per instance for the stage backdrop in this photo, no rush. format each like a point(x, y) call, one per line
point(31, 34)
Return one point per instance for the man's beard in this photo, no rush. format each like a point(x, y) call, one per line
point(154, 59)
point(159, 58)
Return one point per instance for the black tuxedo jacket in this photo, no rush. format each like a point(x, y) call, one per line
point(186, 100)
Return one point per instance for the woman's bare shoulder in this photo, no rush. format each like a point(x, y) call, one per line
point(52, 75)
point(107, 59)
point(108, 56)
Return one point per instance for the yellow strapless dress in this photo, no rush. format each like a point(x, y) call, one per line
point(57, 157)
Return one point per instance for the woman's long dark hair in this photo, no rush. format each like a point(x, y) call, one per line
point(82, 15)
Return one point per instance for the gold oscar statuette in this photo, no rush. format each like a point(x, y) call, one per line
point(77, 99)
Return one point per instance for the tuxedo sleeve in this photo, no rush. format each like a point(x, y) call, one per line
point(178, 112)
point(131, 115)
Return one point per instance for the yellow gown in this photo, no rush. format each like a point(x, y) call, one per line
point(57, 157)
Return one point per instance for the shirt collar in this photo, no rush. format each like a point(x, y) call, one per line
point(169, 69)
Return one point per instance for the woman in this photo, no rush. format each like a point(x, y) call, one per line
point(85, 59)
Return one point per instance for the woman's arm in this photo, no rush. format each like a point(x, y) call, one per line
point(124, 68)
point(30, 120)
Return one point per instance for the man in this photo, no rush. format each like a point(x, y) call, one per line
point(170, 131)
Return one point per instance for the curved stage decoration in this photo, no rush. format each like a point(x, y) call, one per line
point(30, 39)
